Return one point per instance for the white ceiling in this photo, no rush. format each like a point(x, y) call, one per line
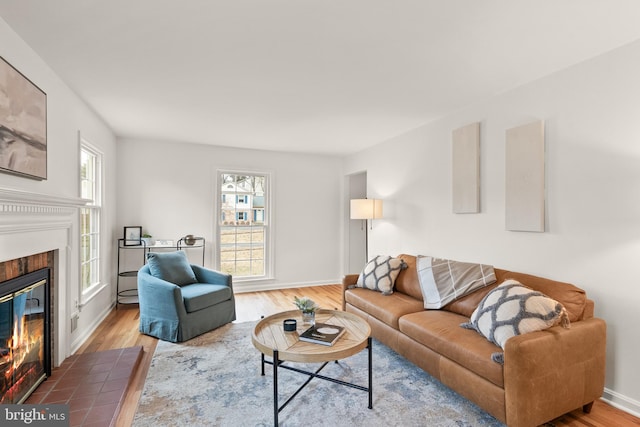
point(319, 76)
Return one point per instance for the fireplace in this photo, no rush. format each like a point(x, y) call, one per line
point(25, 338)
point(41, 231)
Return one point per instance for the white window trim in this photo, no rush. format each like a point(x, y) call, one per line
point(269, 228)
point(88, 294)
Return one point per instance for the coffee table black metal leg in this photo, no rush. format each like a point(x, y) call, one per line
point(275, 387)
point(369, 341)
point(276, 363)
point(262, 357)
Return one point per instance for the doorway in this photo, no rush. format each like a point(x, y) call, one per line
point(356, 230)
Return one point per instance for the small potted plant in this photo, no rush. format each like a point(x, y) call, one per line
point(146, 238)
point(308, 308)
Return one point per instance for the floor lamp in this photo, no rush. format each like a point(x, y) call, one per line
point(366, 209)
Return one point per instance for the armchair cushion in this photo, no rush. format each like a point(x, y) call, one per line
point(197, 296)
point(172, 267)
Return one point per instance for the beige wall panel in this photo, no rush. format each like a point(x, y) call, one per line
point(524, 199)
point(466, 169)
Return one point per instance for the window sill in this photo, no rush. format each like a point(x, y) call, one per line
point(252, 279)
point(91, 293)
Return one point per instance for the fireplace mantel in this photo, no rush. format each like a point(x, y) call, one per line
point(32, 223)
point(13, 201)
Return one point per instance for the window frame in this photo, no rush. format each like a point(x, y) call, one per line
point(267, 222)
point(94, 205)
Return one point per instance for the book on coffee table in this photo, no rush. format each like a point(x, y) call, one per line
point(322, 333)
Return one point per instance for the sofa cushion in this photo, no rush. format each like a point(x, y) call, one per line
point(441, 332)
point(380, 274)
point(197, 296)
point(386, 308)
point(513, 309)
point(468, 303)
point(444, 280)
point(571, 297)
point(172, 267)
point(407, 281)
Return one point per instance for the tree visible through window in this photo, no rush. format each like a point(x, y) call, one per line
point(242, 225)
point(90, 163)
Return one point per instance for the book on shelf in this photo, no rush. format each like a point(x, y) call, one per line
point(322, 333)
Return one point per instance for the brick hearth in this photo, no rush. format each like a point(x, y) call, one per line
point(92, 384)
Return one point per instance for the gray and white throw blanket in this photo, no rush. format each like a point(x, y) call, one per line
point(443, 281)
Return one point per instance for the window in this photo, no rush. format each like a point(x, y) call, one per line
point(90, 189)
point(242, 240)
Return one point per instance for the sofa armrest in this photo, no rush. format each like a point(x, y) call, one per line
point(159, 298)
point(205, 275)
point(552, 372)
point(348, 281)
point(589, 309)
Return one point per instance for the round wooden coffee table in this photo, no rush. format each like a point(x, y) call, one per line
point(271, 340)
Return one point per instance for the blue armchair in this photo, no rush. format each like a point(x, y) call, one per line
point(179, 301)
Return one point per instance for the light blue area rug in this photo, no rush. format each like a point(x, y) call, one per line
point(214, 380)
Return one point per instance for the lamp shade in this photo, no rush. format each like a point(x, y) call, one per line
point(366, 209)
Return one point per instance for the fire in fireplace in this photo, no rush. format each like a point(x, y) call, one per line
point(24, 335)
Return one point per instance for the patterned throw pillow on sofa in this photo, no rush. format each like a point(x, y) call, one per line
point(513, 309)
point(380, 274)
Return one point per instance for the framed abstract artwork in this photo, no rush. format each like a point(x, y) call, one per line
point(23, 125)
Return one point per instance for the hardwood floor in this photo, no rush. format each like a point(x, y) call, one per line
point(120, 329)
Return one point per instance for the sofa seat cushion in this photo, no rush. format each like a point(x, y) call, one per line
point(202, 295)
point(386, 308)
point(441, 332)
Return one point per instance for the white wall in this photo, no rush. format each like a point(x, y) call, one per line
point(67, 115)
point(169, 189)
point(592, 117)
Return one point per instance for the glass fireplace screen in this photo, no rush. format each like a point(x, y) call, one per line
point(24, 336)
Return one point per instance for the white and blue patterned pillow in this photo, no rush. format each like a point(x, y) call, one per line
point(380, 274)
point(513, 309)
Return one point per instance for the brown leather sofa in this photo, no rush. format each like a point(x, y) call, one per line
point(545, 374)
